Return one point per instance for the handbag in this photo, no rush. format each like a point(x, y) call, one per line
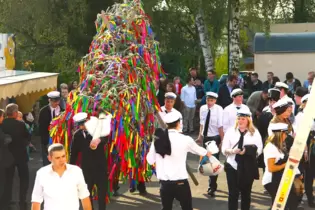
point(226, 164)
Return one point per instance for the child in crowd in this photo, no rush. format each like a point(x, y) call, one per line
point(199, 89)
point(178, 86)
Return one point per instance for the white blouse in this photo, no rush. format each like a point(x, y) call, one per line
point(232, 136)
point(271, 151)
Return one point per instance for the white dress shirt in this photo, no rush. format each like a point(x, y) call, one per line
point(173, 167)
point(230, 115)
point(216, 118)
point(60, 193)
point(298, 121)
point(164, 112)
point(232, 136)
point(57, 111)
point(271, 151)
point(189, 96)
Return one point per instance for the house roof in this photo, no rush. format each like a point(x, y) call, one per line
point(284, 43)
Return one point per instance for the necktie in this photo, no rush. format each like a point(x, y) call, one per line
point(54, 114)
point(238, 107)
point(240, 145)
point(166, 111)
point(205, 129)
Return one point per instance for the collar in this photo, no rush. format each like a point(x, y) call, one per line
point(52, 170)
point(51, 108)
point(173, 131)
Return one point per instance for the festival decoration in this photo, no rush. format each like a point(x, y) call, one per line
point(116, 77)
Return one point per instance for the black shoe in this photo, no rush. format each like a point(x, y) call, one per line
point(311, 204)
point(143, 192)
point(116, 193)
point(211, 193)
point(132, 190)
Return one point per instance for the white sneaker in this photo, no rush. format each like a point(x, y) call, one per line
point(304, 198)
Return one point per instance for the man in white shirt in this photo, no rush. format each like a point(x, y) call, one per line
point(189, 97)
point(169, 153)
point(60, 185)
point(211, 129)
point(230, 112)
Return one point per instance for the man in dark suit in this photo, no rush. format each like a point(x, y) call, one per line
point(224, 95)
point(93, 163)
point(46, 114)
point(19, 141)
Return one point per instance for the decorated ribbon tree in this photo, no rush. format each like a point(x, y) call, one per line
point(116, 77)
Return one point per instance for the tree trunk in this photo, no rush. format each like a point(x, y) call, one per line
point(204, 40)
point(235, 35)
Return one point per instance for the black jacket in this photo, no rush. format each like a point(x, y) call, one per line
point(267, 86)
point(257, 87)
point(44, 122)
point(247, 167)
point(90, 158)
point(297, 83)
point(6, 158)
point(161, 96)
point(224, 96)
point(20, 136)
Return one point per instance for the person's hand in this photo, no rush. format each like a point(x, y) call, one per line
point(201, 169)
point(236, 151)
point(306, 156)
point(199, 139)
point(94, 143)
point(242, 152)
point(209, 154)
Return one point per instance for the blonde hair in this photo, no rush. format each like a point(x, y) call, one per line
point(175, 78)
point(278, 119)
point(250, 126)
point(275, 139)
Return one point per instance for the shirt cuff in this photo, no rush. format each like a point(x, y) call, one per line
point(37, 199)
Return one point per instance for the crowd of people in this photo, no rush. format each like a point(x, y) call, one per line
point(256, 134)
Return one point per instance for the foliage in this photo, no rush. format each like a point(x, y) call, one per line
point(53, 34)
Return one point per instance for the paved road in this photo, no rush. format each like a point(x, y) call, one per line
point(201, 200)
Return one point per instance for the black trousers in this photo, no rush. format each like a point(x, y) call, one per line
point(179, 190)
point(213, 179)
point(293, 200)
point(98, 177)
point(23, 173)
point(235, 190)
point(308, 178)
point(2, 182)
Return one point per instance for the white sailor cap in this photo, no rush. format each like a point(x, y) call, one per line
point(281, 103)
point(281, 85)
point(51, 147)
point(80, 117)
point(305, 98)
point(170, 95)
point(54, 95)
point(273, 90)
point(171, 117)
point(278, 127)
point(242, 112)
point(236, 92)
point(211, 95)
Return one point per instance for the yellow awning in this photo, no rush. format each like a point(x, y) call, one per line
point(26, 87)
